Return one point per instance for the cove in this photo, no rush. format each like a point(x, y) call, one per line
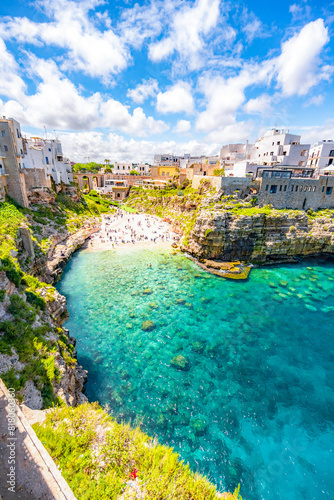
point(256, 403)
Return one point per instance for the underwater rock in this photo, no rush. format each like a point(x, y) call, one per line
point(181, 302)
point(198, 347)
point(147, 291)
point(199, 424)
point(180, 363)
point(148, 325)
point(153, 305)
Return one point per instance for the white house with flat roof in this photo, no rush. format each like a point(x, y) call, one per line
point(321, 157)
point(279, 147)
point(48, 154)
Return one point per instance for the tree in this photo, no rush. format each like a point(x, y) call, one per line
point(219, 172)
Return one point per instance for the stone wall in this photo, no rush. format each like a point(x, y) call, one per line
point(36, 474)
point(35, 177)
point(227, 184)
point(297, 193)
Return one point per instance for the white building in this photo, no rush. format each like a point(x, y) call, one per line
point(122, 168)
point(321, 157)
point(279, 147)
point(142, 168)
point(48, 154)
point(199, 160)
point(167, 160)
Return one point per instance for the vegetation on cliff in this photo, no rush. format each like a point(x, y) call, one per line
point(101, 458)
point(33, 346)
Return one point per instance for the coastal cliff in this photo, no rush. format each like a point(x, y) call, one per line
point(37, 355)
point(275, 236)
point(230, 228)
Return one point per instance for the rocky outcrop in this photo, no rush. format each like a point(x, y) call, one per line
point(63, 248)
point(260, 237)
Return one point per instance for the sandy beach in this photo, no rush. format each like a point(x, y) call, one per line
point(124, 230)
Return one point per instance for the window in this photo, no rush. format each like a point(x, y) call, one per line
point(285, 188)
point(3, 133)
point(296, 188)
point(5, 148)
point(271, 153)
point(305, 189)
point(284, 153)
point(49, 149)
point(278, 143)
point(314, 188)
point(273, 144)
point(331, 153)
point(301, 188)
point(273, 188)
point(329, 190)
point(330, 161)
point(323, 189)
point(47, 160)
point(280, 188)
point(310, 188)
point(267, 186)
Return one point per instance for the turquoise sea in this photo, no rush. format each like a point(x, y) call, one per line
point(256, 404)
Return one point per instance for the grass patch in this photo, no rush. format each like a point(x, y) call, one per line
point(97, 456)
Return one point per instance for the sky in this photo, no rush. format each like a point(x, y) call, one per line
point(125, 80)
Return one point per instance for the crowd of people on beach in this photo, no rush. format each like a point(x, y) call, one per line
point(129, 228)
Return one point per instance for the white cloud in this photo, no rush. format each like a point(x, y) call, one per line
point(11, 84)
point(117, 117)
point(148, 88)
point(252, 26)
point(316, 100)
point(299, 65)
point(311, 135)
point(58, 103)
point(189, 27)
point(99, 146)
point(224, 97)
point(94, 52)
point(141, 22)
point(260, 105)
point(176, 100)
point(182, 127)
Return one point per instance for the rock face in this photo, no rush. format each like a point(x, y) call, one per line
point(259, 238)
point(63, 249)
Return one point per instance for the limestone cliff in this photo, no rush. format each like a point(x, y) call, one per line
point(259, 237)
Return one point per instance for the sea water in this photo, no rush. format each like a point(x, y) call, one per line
point(255, 404)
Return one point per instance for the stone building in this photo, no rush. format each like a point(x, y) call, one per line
point(12, 151)
point(282, 190)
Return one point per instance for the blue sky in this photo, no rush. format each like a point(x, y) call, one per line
point(125, 80)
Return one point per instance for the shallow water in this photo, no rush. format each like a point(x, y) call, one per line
point(256, 406)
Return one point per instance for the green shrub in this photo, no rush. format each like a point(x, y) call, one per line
point(2, 295)
point(15, 276)
point(292, 229)
point(19, 309)
point(36, 300)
